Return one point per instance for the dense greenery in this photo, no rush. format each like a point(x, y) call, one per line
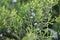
point(29, 19)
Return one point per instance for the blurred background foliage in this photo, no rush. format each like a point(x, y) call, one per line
point(26, 19)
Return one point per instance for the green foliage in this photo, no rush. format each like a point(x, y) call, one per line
point(30, 36)
point(26, 17)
